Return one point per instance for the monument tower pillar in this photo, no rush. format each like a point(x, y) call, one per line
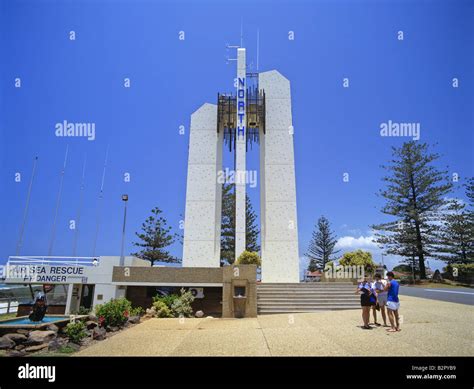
point(240, 154)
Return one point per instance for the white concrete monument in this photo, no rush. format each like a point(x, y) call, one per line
point(259, 111)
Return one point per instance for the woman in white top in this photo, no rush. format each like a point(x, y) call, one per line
point(379, 286)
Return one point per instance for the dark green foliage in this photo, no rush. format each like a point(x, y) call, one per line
point(114, 312)
point(415, 191)
point(228, 225)
point(455, 235)
point(155, 238)
point(76, 331)
point(321, 246)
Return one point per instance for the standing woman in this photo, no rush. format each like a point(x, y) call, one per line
point(367, 299)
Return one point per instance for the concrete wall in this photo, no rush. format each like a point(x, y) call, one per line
point(171, 276)
point(101, 277)
point(279, 227)
point(239, 276)
point(203, 193)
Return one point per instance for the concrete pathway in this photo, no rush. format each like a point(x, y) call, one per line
point(429, 327)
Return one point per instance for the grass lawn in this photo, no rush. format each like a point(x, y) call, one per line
point(5, 316)
point(438, 285)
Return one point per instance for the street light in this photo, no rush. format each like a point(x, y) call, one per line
point(125, 200)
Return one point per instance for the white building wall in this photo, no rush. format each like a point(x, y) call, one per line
point(202, 226)
point(101, 277)
point(279, 227)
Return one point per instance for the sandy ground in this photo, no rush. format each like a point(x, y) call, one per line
point(429, 327)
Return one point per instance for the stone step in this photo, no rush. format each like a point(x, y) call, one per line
point(306, 297)
point(335, 286)
point(268, 291)
point(301, 310)
point(308, 293)
point(302, 303)
point(305, 287)
point(309, 285)
point(262, 301)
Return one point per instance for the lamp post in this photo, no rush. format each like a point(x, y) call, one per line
point(125, 200)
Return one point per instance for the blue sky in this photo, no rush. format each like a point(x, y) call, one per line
point(336, 129)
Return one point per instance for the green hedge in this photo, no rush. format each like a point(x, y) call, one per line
point(114, 313)
point(465, 273)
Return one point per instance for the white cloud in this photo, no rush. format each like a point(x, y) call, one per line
point(350, 242)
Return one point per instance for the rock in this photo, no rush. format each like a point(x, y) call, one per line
point(74, 346)
point(99, 333)
point(20, 347)
point(91, 324)
point(39, 337)
point(199, 314)
point(6, 343)
point(17, 338)
point(86, 341)
point(209, 317)
point(134, 319)
point(112, 328)
point(57, 343)
point(37, 347)
point(15, 353)
point(23, 332)
point(53, 327)
point(92, 317)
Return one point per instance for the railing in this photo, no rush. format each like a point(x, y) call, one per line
point(8, 305)
point(53, 261)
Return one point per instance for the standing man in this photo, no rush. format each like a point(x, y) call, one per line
point(393, 303)
point(379, 286)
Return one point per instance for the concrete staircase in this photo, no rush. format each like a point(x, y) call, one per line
point(306, 297)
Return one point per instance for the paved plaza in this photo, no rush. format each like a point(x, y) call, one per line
point(429, 327)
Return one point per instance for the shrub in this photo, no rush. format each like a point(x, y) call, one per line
point(181, 307)
point(76, 331)
point(66, 350)
point(137, 311)
point(161, 309)
point(114, 313)
point(83, 310)
point(249, 258)
point(168, 300)
point(463, 273)
point(359, 258)
point(404, 280)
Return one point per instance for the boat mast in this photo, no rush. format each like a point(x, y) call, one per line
point(25, 212)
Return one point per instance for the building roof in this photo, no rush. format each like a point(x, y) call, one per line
point(316, 273)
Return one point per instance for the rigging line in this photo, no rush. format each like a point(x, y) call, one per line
point(81, 200)
point(258, 46)
point(58, 203)
point(99, 202)
point(25, 212)
point(241, 32)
